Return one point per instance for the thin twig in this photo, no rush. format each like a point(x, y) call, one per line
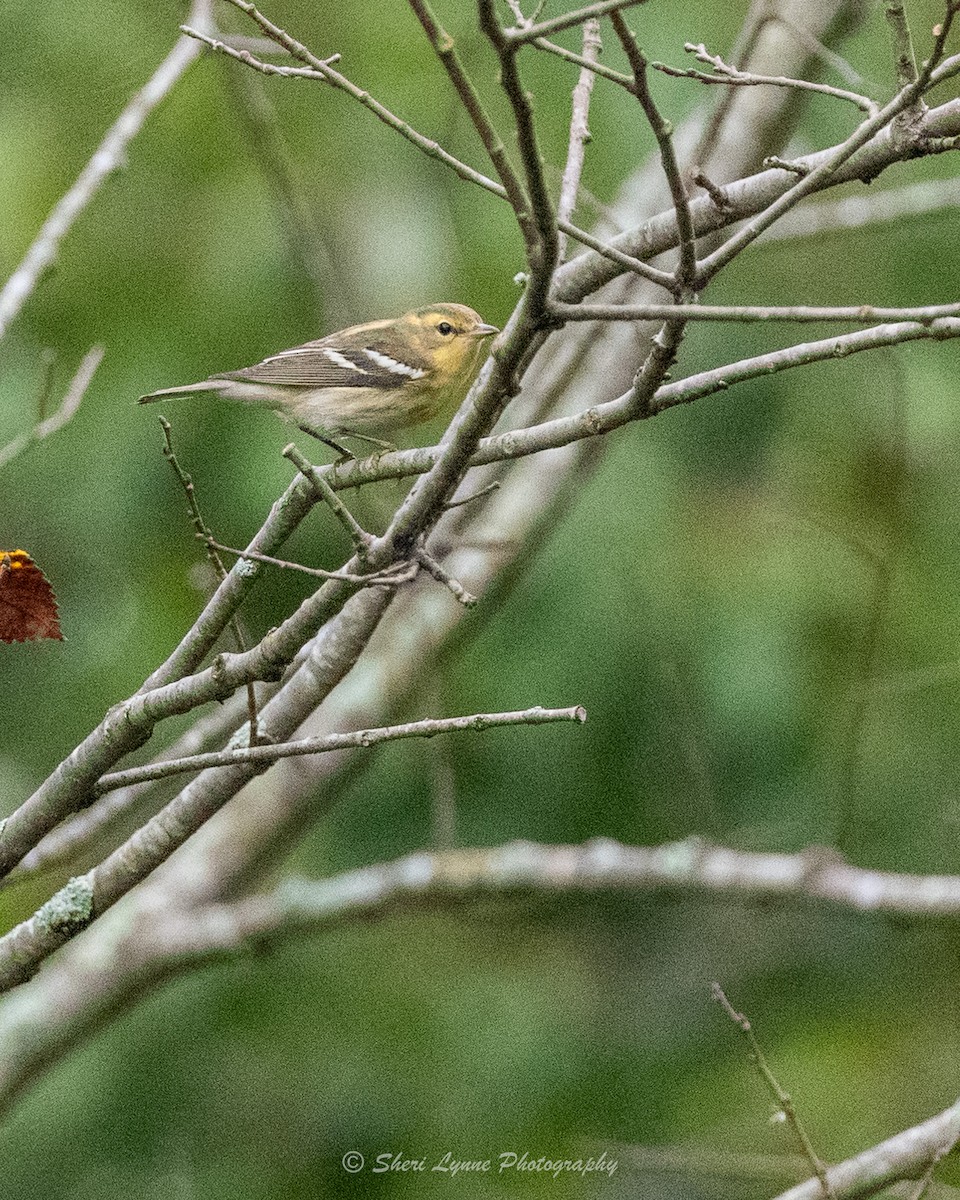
point(604, 418)
point(326, 73)
point(361, 739)
point(782, 1098)
point(934, 64)
point(76, 390)
point(541, 238)
point(860, 314)
point(530, 32)
point(725, 74)
point(433, 568)
point(280, 36)
point(774, 161)
point(655, 369)
point(204, 534)
point(586, 64)
point(358, 535)
point(391, 577)
point(713, 190)
point(427, 145)
point(926, 1179)
point(319, 71)
point(636, 266)
point(69, 786)
point(759, 15)
point(493, 486)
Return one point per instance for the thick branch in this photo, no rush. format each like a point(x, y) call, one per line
point(80, 991)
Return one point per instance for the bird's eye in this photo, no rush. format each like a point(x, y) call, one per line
point(444, 327)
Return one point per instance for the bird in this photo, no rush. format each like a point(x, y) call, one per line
point(366, 380)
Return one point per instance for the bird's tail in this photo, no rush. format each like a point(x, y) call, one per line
point(208, 385)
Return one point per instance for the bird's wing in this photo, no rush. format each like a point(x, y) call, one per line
point(325, 364)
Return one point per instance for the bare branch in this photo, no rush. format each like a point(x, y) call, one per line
point(613, 414)
point(283, 39)
point(579, 126)
point(30, 1040)
point(935, 63)
point(436, 571)
point(903, 1156)
point(586, 64)
point(427, 145)
point(861, 314)
point(393, 577)
point(540, 237)
point(361, 739)
point(67, 788)
point(343, 617)
point(358, 536)
point(904, 59)
point(663, 132)
point(204, 534)
point(755, 195)
point(734, 77)
point(628, 262)
point(693, 866)
point(529, 33)
point(106, 159)
point(70, 910)
point(323, 71)
point(639, 401)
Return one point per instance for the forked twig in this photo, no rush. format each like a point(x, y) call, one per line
point(725, 74)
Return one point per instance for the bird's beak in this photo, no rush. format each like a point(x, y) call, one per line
point(482, 331)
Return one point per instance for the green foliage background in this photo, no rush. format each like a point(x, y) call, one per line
point(709, 600)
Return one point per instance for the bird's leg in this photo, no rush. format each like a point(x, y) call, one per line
point(344, 453)
point(384, 447)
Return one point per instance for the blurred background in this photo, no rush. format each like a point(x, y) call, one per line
point(755, 599)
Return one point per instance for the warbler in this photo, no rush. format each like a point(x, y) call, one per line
point(366, 380)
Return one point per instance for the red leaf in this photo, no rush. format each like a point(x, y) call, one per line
point(28, 607)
